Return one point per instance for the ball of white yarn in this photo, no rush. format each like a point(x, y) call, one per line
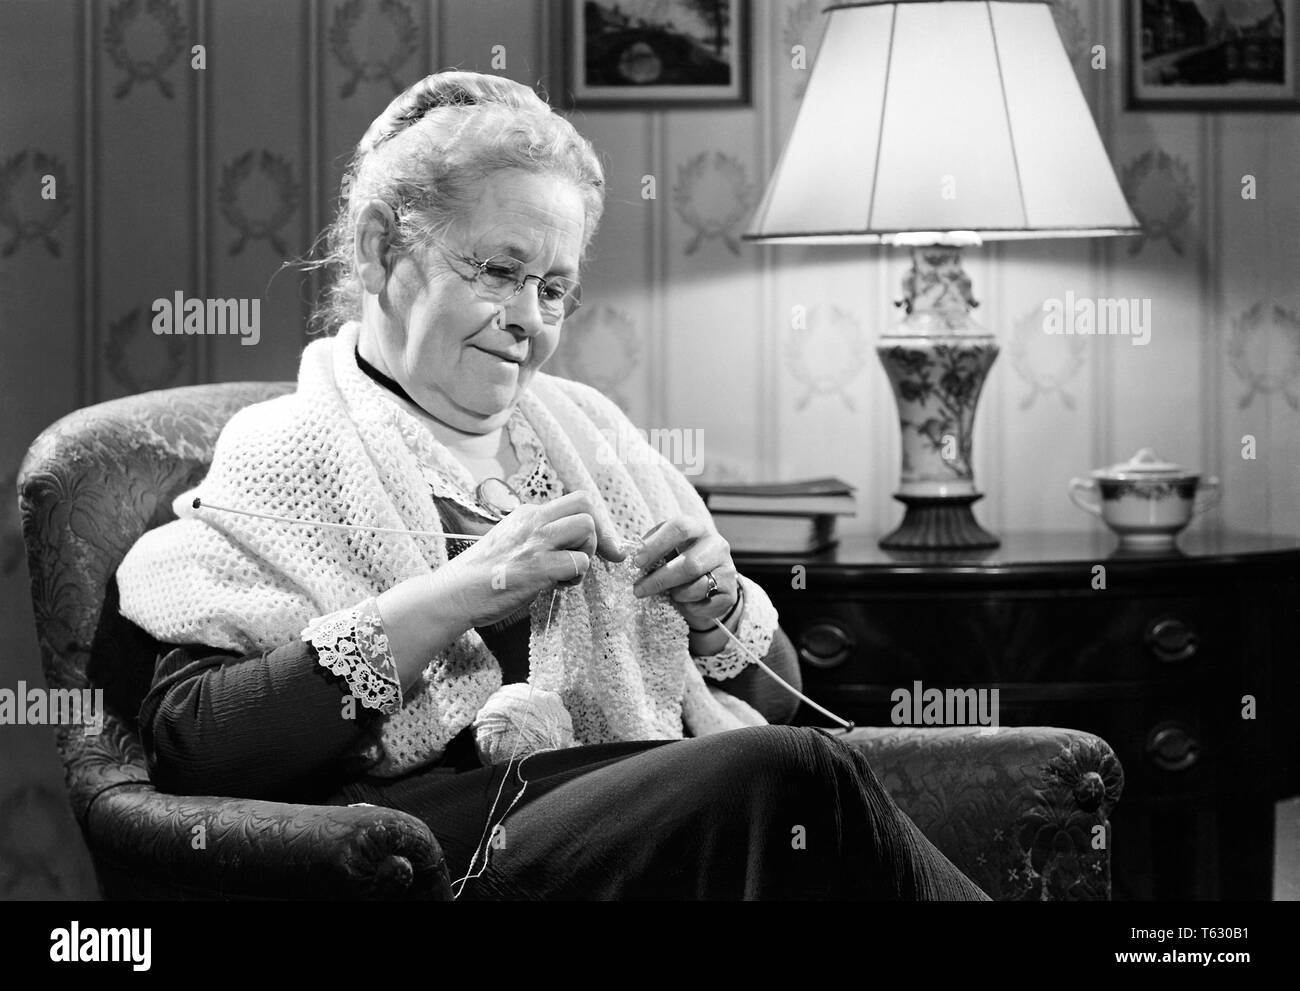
point(509, 716)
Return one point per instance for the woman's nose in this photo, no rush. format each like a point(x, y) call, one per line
point(523, 310)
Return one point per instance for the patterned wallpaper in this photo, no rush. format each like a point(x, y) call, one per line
point(199, 172)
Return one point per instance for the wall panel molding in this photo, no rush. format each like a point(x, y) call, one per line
point(201, 122)
point(88, 256)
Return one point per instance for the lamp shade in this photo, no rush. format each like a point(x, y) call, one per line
point(941, 116)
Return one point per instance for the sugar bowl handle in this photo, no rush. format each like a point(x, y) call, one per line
point(1085, 494)
point(1207, 497)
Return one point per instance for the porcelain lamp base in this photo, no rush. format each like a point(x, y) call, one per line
point(937, 359)
point(939, 522)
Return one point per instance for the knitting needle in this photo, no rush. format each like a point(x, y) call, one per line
point(847, 724)
point(201, 504)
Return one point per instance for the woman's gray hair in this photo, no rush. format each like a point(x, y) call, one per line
point(427, 155)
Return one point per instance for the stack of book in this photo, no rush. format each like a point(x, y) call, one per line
point(781, 518)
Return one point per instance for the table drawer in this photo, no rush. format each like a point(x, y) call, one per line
point(1022, 638)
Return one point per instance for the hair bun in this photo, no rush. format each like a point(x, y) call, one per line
point(446, 89)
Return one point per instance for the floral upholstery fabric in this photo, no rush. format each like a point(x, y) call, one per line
point(1023, 811)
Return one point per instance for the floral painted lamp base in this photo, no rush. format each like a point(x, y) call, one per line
point(937, 360)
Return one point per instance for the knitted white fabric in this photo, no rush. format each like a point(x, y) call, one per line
point(338, 450)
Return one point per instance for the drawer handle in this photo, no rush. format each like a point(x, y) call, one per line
point(825, 645)
point(1172, 747)
point(1171, 639)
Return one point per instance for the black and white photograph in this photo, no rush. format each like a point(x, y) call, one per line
point(1203, 54)
point(649, 452)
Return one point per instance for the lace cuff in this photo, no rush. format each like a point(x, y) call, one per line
point(353, 645)
point(758, 623)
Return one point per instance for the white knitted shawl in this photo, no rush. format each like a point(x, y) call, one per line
point(340, 450)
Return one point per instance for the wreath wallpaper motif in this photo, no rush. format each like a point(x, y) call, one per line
point(1158, 171)
point(826, 355)
point(150, 68)
point(713, 195)
point(347, 16)
point(238, 171)
point(1026, 351)
point(129, 354)
point(1257, 364)
point(25, 170)
point(35, 830)
point(601, 347)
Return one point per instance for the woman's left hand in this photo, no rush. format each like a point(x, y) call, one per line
point(700, 550)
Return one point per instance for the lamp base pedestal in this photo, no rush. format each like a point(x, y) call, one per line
point(936, 522)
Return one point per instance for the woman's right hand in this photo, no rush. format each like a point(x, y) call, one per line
point(533, 549)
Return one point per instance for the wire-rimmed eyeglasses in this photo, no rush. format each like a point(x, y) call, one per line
point(501, 277)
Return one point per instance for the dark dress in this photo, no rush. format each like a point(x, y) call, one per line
point(776, 811)
point(763, 812)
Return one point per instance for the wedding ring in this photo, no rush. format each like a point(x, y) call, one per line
point(576, 573)
point(713, 586)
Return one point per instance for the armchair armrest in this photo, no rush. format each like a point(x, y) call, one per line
point(154, 845)
point(1022, 811)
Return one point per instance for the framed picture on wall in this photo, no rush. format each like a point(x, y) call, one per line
point(654, 53)
point(1212, 55)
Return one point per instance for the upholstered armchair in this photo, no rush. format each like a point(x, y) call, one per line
point(1016, 809)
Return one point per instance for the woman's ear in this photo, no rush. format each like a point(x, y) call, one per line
point(376, 227)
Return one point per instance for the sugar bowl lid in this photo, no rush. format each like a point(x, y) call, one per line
point(1146, 464)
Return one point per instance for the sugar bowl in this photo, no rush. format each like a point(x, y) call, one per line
point(1145, 500)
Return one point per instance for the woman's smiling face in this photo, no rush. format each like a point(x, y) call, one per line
point(464, 359)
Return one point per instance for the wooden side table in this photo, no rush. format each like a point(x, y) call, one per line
point(1157, 663)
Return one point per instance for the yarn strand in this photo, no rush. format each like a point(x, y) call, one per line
point(488, 828)
point(201, 504)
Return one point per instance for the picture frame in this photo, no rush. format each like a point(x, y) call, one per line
point(653, 54)
point(1213, 55)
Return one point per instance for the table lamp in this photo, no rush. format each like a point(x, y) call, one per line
point(938, 125)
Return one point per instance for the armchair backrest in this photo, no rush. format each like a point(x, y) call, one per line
point(90, 486)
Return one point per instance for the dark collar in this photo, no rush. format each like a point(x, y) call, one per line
point(383, 379)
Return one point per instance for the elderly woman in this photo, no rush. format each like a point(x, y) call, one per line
point(426, 579)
